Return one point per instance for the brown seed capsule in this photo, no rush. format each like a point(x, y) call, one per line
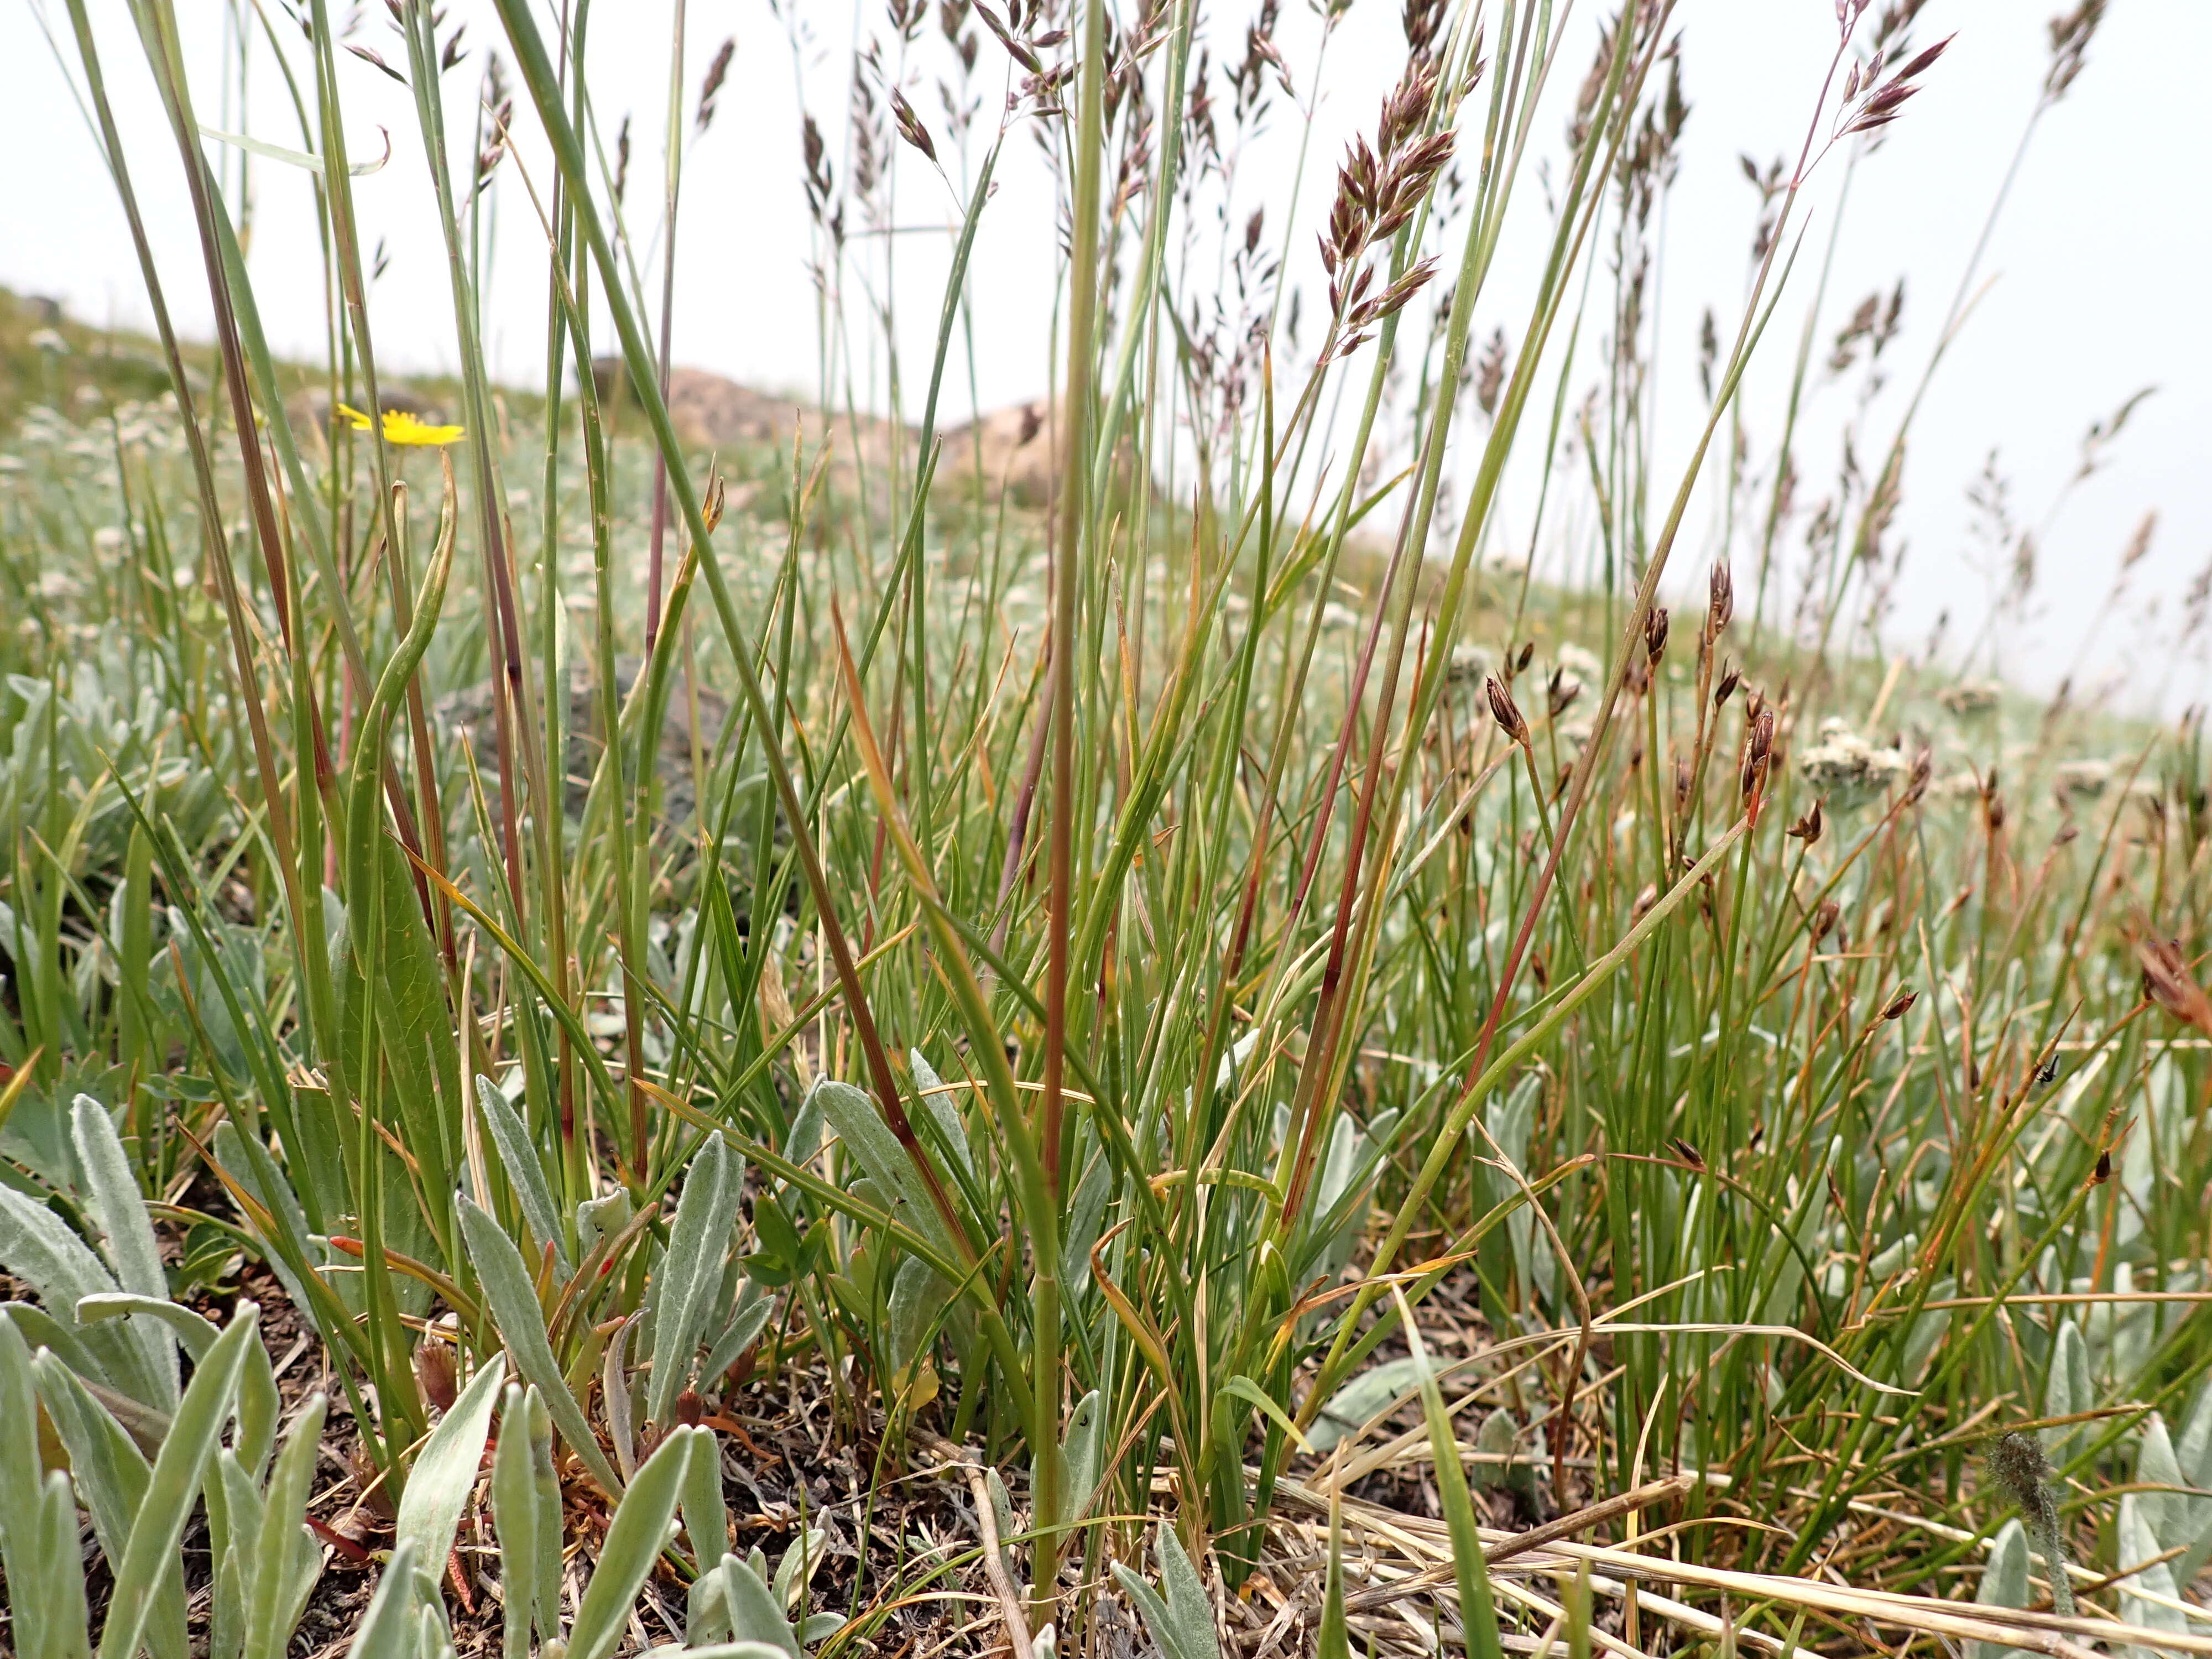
point(1720, 606)
point(1898, 1004)
point(1729, 680)
point(1528, 653)
point(1807, 829)
point(1758, 749)
point(434, 1370)
point(1504, 710)
point(1655, 635)
point(1825, 918)
point(1561, 693)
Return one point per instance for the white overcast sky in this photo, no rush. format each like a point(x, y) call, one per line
point(2096, 276)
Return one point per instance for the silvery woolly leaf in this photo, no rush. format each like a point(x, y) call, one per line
point(930, 1088)
point(2069, 1391)
point(445, 1471)
point(633, 1544)
point(160, 1523)
point(2148, 1597)
point(754, 1615)
point(133, 1255)
point(1180, 1621)
point(2004, 1583)
point(285, 1552)
point(861, 1126)
point(514, 1518)
point(521, 1324)
point(39, 1248)
point(525, 1175)
point(1351, 1407)
point(112, 1477)
point(21, 1482)
point(387, 1630)
point(689, 1271)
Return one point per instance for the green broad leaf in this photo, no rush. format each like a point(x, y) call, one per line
point(525, 1174)
point(133, 1255)
point(276, 1597)
point(1334, 1641)
point(634, 1539)
point(521, 1324)
point(151, 1553)
point(291, 158)
point(1080, 1449)
point(1478, 1614)
point(1244, 1388)
point(445, 1470)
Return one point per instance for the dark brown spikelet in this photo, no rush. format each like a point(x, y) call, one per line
point(1896, 1006)
point(2070, 34)
point(1808, 827)
point(1655, 635)
point(1720, 606)
point(909, 124)
point(1560, 694)
point(710, 89)
point(622, 161)
point(1423, 20)
point(1730, 678)
point(1877, 107)
point(1825, 920)
point(1504, 710)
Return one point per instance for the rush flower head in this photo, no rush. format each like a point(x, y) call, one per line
point(401, 428)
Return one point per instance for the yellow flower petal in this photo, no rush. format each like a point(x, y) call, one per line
point(401, 428)
point(358, 421)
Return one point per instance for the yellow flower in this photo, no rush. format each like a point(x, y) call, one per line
point(401, 428)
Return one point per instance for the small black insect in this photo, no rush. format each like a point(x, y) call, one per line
point(2048, 1070)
